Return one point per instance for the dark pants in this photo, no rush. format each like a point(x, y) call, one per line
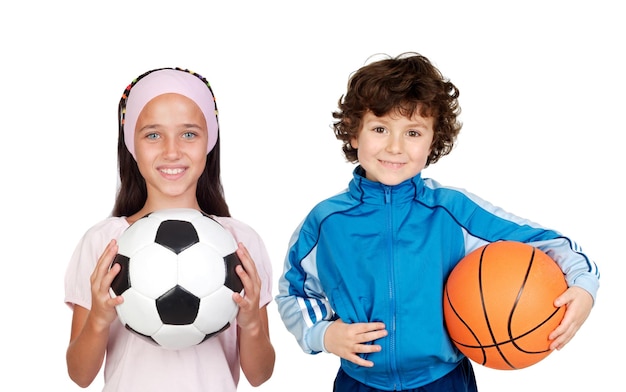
point(461, 379)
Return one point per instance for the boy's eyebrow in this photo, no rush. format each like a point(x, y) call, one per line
point(420, 123)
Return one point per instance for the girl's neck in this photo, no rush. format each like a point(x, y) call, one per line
point(152, 206)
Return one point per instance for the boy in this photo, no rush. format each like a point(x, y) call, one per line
point(364, 273)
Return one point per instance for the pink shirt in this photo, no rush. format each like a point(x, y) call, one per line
point(132, 364)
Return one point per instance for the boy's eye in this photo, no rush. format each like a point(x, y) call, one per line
point(379, 129)
point(413, 133)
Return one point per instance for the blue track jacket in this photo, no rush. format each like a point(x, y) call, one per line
point(383, 253)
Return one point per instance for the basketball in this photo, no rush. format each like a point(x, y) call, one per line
point(499, 304)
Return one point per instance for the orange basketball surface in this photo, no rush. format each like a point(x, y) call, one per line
point(499, 304)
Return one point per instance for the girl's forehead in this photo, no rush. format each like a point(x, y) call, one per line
point(171, 99)
point(171, 108)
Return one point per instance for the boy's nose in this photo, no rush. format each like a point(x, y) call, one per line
point(394, 144)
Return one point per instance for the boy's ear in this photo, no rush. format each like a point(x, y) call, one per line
point(354, 143)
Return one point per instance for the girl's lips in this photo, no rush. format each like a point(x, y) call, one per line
point(172, 171)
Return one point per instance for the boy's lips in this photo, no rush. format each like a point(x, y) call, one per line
point(393, 165)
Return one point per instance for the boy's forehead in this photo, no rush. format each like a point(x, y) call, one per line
point(398, 114)
point(416, 111)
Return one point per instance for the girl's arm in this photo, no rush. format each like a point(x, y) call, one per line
point(256, 352)
point(90, 328)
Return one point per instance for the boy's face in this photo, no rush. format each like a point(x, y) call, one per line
point(393, 148)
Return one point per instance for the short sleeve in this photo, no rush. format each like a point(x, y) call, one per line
point(255, 245)
point(85, 258)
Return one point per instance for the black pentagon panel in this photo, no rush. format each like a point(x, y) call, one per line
point(178, 306)
point(145, 337)
point(210, 335)
point(121, 282)
point(176, 235)
point(233, 281)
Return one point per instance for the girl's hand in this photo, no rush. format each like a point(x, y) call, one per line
point(248, 316)
point(256, 352)
point(579, 303)
point(102, 311)
point(350, 340)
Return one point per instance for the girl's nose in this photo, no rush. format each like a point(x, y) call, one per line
point(171, 149)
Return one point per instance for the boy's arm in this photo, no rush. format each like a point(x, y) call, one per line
point(301, 300)
point(579, 303)
point(483, 222)
point(579, 270)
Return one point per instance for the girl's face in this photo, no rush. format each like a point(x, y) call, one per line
point(171, 149)
point(393, 148)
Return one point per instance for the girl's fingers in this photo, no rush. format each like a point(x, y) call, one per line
point(99, 277)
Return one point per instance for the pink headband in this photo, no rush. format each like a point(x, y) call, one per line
point(169, 81)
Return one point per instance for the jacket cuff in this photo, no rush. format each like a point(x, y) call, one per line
point(315, 336)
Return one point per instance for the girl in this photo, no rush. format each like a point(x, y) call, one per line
point(168, 157)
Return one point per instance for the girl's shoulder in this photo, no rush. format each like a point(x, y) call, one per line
point(109, 228)
point(238, 228)
point(111, 222)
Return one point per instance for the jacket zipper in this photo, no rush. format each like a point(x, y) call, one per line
point(392, 302)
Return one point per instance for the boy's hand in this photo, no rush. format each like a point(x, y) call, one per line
point(579, 303)
point(349, 340)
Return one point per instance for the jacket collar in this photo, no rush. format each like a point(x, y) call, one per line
point(372, 192)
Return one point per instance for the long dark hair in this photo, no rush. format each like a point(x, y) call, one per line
point(132, 193)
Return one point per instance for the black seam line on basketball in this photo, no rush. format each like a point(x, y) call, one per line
point(519, 296)
point(512, 340)
point(480, 346)
point(517, 299)
point(482, 300)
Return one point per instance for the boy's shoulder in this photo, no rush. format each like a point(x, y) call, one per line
point(337, 201)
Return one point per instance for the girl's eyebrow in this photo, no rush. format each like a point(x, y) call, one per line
point(192, 125)
point(157, 125)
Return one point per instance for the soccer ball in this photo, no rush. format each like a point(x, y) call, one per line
point(177, 278)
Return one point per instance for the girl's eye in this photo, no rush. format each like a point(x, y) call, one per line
point(152, 136)
point(189, 135)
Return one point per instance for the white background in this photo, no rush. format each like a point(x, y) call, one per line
point(542, 91)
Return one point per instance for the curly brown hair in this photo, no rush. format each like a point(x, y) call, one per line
point(404, 84)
